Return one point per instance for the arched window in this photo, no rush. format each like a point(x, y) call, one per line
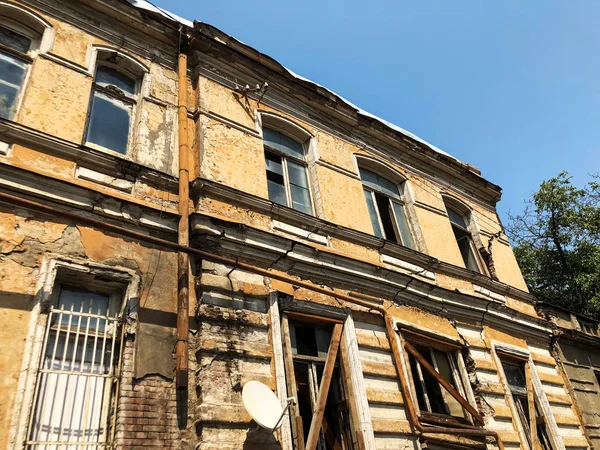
point(287, 174)
point(460, 221)
point(21, 33)
point(385, 203)
point(115, 90)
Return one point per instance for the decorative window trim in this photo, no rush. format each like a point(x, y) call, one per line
point(309, 143)
point(100, 56)
point(524, 355)
point(52, 272)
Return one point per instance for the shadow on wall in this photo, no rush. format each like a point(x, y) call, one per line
point(260, 439)
point(15, 300)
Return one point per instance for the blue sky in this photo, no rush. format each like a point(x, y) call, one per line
point(510, 86)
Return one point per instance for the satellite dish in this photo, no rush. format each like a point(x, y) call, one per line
point(263, 405)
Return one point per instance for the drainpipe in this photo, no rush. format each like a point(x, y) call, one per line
point(183, 235)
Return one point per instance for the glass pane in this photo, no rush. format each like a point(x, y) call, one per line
point(456, 218)
point(445, 370)
point(108, 76)
point(403, 226)
point(297, 174)
point(373, 213)
point(379, 183)
point(463, 239)
point(85, 302)
point(12, 72)
point(283, 143)
point(273, 162)
point(433, 388)
point(109, 123)
point(515, 376)
point(300, 199)
point(276, 190)
point(14, 40)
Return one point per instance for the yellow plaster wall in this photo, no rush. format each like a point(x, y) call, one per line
point(233, 158)
point(56, 100)
point(335, 151)
point(343, 200)
point(437, 233)
point(213, 97)
point(507, 268)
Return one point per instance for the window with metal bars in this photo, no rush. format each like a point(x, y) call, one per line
point(78, 372)
point(287, 174)
point(432, 398)
point(526, 404)
point(386, 209)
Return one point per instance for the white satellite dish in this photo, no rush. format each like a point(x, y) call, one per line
point(263, 405)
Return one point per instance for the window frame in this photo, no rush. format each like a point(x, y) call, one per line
point(119, 283)
point(398, 200)
point(459, 381)
point(465, 213)
point(118, 97)
point(284, 158)
point(513, 355)
point(27, 58)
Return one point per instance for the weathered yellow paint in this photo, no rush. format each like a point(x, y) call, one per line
point(217, 99)
point(55, 91)
point(424, 320)
point(343, 200)
point(336, 151)
point(232, 157)
point(437, 233)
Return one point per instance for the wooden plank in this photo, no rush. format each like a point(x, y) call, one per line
point(346, 372)
point(317, 418)
point(312, 319)
point(463, 402)
point(297, 431)
point(279, 366)
point(532, 411)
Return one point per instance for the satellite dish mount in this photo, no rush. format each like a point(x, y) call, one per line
point(263, 405)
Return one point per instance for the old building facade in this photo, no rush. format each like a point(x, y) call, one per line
point(334, 257)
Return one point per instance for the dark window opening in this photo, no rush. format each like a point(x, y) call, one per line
point(517, 383)
point(310, 344)
point(383, 204)
point(431, 396)
point(463, 239)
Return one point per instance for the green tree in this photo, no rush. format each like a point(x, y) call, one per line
point(557, 244)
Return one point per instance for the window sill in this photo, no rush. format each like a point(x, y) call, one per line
point(299, 232)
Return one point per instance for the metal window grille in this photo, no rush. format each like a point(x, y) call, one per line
point(78, 373)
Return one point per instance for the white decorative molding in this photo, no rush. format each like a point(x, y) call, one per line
point(299, 232)
point(4, 148)
point(486, 292)
point(413, 269)
point(105, 180)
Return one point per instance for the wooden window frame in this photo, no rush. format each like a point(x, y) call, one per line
point(286, 179)
point(335, 358)
point(535, 411)
point(454, 355)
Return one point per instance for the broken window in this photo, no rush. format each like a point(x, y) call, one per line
point(463, 237)
point(111, 108)
point(386, 209)
point(433, 399)
point(287, 175)
point(306, 348)
point(526, 404)
point(14, 61)
point(78, 371)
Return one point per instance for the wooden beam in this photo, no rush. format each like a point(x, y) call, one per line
point(297, 428)
point(317, 418)
point(424, 363)
point(532, 411)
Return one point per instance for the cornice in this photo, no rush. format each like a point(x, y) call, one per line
point(336, 271)
point(109, 164)
point(316, 225)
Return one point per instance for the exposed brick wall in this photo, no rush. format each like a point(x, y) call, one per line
point(147, 409)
